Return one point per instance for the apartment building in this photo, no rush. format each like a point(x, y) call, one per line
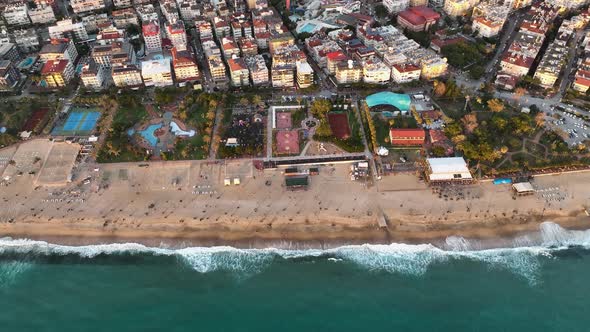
point(147, 13)
point(152, 36)
point(93, 76)
point(58, 50)
point(27, 40)
point(238, 72)
point(156, 73)
point(122, 3)
point(259, 74)
point(375, 71)
point(16, 14)
point(188, 10)
point(396, 6)
point(348, 72)
point(68, 29)
point(305, 76)
point(185, 67)
point(405, 73)
point(459, 7)
point(85, 6)
point(123, 18)
point(169, 10)
point(9, 75)
point(57, 73)
point(217, 69)
point(127, 76)
point(42, 15)
point(112, 54)
point(177, 35)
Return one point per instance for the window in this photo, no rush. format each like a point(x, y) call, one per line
point(456, 176)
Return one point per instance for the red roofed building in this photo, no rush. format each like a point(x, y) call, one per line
point(152, 37)
point(333, 59)
point(407, 137)
point(238, 71)
point(404, 73)
point(417, 18)
point(185, 68)
point(57, 73)
point(516, 64)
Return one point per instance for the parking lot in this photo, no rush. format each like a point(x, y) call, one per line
point(576, 128)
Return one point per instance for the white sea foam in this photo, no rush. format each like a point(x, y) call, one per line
point(524, 261)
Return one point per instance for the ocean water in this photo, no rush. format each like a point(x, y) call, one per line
point(540, 283)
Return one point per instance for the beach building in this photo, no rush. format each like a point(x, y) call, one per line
point(297, 182)
point(57, 73)
point(448, 170)
point(58, 50)
point(523, 188)
point(185, 67)
point(94, 76)
point(156, 73)
point(407, 136)
point(127, 76)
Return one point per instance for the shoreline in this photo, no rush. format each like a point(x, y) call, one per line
point(489, 236)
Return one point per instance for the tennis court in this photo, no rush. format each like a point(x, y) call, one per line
point(80, 122)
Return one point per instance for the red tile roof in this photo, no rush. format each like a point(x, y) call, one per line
point(54, 66)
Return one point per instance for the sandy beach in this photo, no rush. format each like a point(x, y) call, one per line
point(187, 202)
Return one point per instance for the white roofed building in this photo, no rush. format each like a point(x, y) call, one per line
point(448, 170)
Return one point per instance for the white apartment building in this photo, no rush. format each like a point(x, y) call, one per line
point(67, 29)
point(188, 10)
point(348, 72)
point(122, 3)
point(152, 36)
point(304, 74)
point(376, 72)
point(147, 13)
point(258, 69)
point(169, 10)
point(487, 27)
point(92, 22)
point(16, 14)
point(42, 15)
point(405, 73)
point(156, 73)
point(127, 76)
point(459, 7)
point(125, 17)
point(93, 76)
point(396, 6)
point(85, 6)
point(27, 40)
point(177, 35)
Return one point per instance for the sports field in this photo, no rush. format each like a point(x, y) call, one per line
point(80, 122)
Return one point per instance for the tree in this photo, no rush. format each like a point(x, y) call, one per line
point(391, 122)
point(381, 11)
point(440, 88)
point(453, 129)
point(504, 149)
point(495, 105)
point(540, 120)
point(439, 151)
point(470, 122)
point(519, 92)
point(244, 102)
point(320, 108)
point(210, 115)
point(256, 100)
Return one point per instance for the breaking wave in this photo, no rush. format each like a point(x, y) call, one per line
point(524, 257)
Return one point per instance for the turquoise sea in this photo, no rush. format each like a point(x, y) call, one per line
point(540, 282)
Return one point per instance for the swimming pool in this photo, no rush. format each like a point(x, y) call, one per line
point(308, 27)
point(148, 133)
point(27, 62)
point(79, 68)
point(400, 101)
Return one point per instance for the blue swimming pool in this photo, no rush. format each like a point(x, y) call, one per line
point(400, 101)
point(27, 62)
point(148, 133)
point(308, 27)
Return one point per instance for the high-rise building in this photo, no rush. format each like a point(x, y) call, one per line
point(152, 37)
